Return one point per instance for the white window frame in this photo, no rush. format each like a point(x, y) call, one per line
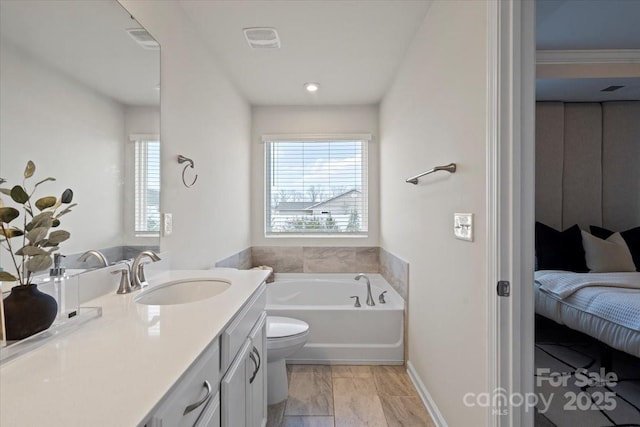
point(365, 138)
point(140, 205)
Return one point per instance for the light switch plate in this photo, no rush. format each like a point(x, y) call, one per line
point(167, 224)
point(463, 226)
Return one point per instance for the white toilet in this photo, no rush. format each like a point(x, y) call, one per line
point(285, 336)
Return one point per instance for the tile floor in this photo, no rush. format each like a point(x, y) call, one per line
point(349, 396)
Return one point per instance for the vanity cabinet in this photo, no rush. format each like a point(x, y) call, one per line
point(227, 385)
point(243, 387)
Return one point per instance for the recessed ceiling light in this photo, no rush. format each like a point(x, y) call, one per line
point(311, 87)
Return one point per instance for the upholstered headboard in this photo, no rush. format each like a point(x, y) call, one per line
point(588, 164)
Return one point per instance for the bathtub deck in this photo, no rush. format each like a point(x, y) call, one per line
point(341, 396)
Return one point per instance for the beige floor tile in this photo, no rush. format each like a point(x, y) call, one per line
point(405, 411)
point(310, 393)
point(316, 369)
point(308, 422)
point(357, 410)
point(361, 385)
point(350, 371)
point(275, 414)
point(388, 369)
point(393, 381)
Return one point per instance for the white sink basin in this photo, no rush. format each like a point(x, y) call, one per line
point(182, 291)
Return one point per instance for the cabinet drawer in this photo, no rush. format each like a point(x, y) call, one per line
point(192, 393)
point(237, 332)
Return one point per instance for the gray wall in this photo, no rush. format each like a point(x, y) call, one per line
point(588, 164)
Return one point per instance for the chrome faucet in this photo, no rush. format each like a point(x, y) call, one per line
point(369, 296)
point(138, 280)
point(97, 254)
point(125, 279)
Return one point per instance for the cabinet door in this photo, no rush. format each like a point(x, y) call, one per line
point(257, 408)
point(210, 417)
point(234, 389)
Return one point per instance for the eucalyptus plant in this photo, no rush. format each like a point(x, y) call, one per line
point(39, 237)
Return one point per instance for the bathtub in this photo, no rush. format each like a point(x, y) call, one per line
point(340, 333)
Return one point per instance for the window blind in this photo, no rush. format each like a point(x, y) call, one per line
point(316, 187)
point(147, 187)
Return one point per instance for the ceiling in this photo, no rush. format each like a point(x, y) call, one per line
point(351, 48)
point(592, 24)
point(588, 25)
point(86, 40)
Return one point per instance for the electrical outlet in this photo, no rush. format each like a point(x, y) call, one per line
point(167, 224)
point(463, 226)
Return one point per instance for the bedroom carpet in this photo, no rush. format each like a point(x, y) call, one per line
point(571, 358)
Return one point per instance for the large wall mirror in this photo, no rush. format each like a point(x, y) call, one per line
point(80, 97)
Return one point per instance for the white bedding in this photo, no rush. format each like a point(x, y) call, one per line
point(608, 313)
point(563, 283)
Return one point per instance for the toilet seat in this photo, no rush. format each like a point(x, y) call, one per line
point(279, 328)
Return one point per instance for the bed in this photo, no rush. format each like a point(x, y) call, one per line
point(605, 306)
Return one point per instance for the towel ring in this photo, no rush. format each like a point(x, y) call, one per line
point(182, 159)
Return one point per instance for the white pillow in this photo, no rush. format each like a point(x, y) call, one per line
point(609, 255)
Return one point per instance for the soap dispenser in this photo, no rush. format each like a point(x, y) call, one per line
point(57, 270)
point(57, 275)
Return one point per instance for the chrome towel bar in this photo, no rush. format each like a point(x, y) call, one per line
point(451, 167)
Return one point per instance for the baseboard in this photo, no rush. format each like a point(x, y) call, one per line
point(428, 401)
point(295, 361)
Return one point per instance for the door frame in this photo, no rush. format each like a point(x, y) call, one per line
point(511, 204)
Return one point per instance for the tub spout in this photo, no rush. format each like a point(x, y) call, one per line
point(369, 296)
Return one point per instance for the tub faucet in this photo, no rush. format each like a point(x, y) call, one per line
point(97, 254)
point(138, 279)
point(369, 296)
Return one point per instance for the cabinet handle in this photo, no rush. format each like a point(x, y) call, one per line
point(255, 350)
point(201, 401)
point(255, 372)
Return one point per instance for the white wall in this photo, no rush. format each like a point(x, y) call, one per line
point(435, 113)
point(137, 120)
point(323, 120)
point(71, 133)
point(205, 118)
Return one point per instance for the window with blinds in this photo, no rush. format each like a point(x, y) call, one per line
point(316, 186)
point(147, 188)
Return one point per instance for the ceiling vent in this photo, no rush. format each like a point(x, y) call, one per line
point(143, 38)
point(611, 88)
point(262, 38)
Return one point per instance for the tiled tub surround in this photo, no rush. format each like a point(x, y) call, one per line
point(240, 260)
point(395, 271)
point(339, 332)
point(315, 259)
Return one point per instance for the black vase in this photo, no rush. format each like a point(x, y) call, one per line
point(28, 311)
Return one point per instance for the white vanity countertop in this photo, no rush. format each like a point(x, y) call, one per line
point(114, 369)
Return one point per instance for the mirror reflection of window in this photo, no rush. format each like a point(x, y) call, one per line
point(147, 187)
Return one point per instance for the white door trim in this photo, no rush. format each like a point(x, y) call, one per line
point(510, 203)
point(493, 192)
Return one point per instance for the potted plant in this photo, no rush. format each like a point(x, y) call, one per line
point(30, 246)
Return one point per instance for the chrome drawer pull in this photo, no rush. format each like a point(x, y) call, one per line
point(201, 401)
